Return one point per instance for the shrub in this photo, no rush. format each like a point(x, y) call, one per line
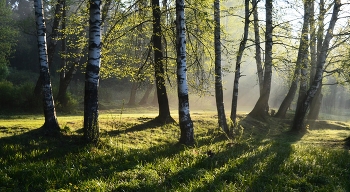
point(18, 98)
point(6, 94)
point(4, 71)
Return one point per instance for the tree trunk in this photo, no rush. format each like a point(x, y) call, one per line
point(282, 110)
point(64, 83)
point(155, 97)
point(260, 71)
point(61, 97)
point(53, 41)
point(301, 66)
point(146, 95)
point(51, 125)
point(261, 107)
point(91, 127)
point(238, 63)
point(219, 96)
point(186, 124)
point(163, 103)
point(315, 105)
point(314, 109)
point(313, 51)
point(132, 97)
point(304, 105)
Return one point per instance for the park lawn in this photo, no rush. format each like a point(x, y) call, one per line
point(135, 154)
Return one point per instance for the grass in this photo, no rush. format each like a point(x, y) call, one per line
point(137, 155)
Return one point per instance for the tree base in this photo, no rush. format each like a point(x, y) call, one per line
point(51, 128)
point(164, 119)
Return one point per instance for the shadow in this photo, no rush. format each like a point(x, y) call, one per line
point(261, 158)
point(240, 157)
point(146, 124)
point(333, 125)
point(26, 143)
point(32, 161)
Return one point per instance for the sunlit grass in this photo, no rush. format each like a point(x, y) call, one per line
point(137, 155)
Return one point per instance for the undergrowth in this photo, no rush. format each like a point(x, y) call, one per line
point(135, 154)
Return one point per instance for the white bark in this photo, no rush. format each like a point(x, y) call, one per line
point(91, 127)
point(186, 125)
point(48, 101)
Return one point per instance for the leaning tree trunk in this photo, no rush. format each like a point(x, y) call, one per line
point(261, 107)
point(53, 41)
point(51, 124)
point(154, 101)
point(186, 124)
point(238, 63)
point(282, 110)
point(219, 96)
point(303, 106)
point(301, 66)
point(91, 127)
point(163, 102)
point(259, 68)
point(132, 97)
point(145, 97)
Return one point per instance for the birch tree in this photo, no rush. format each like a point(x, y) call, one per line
point(303, 106)
point(51, 124)
point(316, 102)
point(53, 40)
point(238, 62)
point(186, 124)
point(91, 127)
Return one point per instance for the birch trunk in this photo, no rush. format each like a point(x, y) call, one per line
point(315, 104)
point(186, 124)
point(238, 63)
point(219, 96)
point(261, 107)
point(51, 124)
point(53, 40)
point(303, 106)
point(163, 103)
point(91, 127)
point(259, 68)
point(300, 67)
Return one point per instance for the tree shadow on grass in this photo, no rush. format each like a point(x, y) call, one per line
point(239, 157)
point(32, 161)
point(148, 124)
point(19, 147)
point(259, 162)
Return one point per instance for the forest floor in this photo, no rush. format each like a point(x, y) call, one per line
point(136, 155)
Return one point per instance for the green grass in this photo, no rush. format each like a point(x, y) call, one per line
point(137, 155)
